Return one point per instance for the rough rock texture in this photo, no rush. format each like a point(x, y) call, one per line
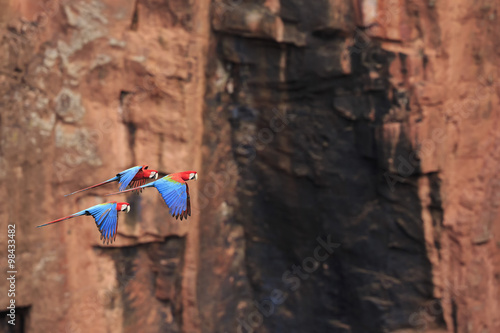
point(372, 125)
point(90, 88)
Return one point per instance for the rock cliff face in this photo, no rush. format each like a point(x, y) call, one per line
point(347, 153)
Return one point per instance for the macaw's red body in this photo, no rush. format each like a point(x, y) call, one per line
point(174, 191)
point(141, 176)
point(182, 177)
point(135, 176)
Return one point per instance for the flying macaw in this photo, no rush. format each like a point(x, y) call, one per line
point(174, 191)
point(106, 218)
point(134, 176)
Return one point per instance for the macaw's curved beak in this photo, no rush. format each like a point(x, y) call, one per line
point(156, 175)
point(128, 209)
point(195, 176)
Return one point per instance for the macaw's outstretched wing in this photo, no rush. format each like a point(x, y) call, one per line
point(188, 211)
point(176, 196)
point(137, 183)
point(127, 176)
point(106, 220)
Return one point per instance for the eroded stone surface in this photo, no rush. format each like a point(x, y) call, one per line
point(369, 122)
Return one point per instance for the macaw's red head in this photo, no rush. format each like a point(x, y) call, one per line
point(123, 207)
point(150, 174)
point(188, 175)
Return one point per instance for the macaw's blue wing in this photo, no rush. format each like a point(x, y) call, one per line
point(127, 176)
point(106, 219)
point(176, 196)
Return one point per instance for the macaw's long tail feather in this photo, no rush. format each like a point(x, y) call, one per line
point(96, 185)
point(62, 219)
point(133, 189)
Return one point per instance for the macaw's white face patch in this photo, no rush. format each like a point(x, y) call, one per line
point(193, 175)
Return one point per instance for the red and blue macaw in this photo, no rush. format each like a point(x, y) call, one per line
point(134, 177)
point(174, 191)
point(106, 218)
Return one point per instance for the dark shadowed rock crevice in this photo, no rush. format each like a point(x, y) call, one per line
point(318, 135)
point(148, 285)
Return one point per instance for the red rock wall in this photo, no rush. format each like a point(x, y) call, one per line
point(368, 123)
point(90, 88)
